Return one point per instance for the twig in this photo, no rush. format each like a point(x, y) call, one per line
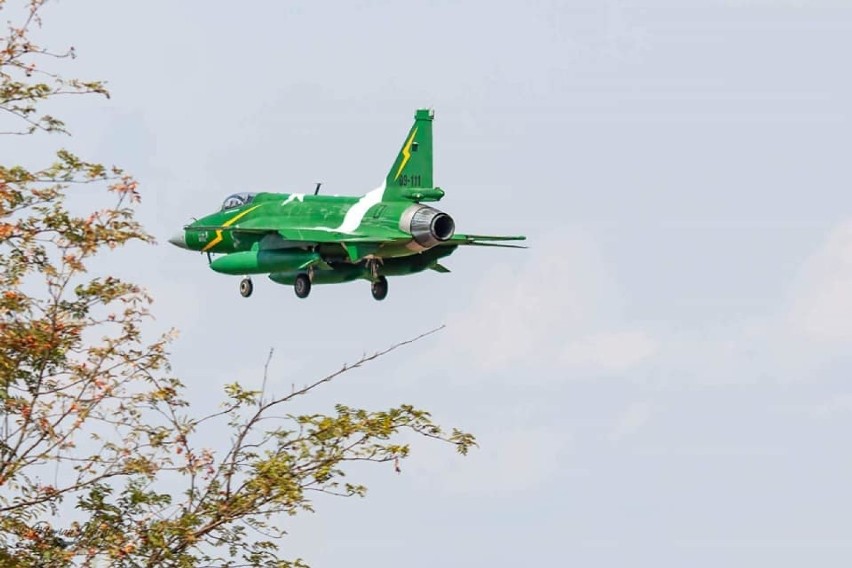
point(265, 376)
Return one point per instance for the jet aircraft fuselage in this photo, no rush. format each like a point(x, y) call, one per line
point(302, 239)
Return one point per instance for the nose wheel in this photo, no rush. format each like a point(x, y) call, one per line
point(246, 287)
point(302, 285)
point(379, 288)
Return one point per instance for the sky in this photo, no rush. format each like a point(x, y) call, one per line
point(661, 379)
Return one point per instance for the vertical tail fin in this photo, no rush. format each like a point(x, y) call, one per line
point(412, 168)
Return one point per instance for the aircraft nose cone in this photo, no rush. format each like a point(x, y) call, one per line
point(179, 240)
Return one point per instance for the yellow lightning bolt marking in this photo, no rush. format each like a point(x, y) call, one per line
point(227, 223)
point(406, 153)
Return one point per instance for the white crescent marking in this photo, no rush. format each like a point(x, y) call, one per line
point(356, 213)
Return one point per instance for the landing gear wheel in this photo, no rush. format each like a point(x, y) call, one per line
point(379, 288)
point(246, 287)
point(302, 286)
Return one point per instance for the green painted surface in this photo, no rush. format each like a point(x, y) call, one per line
point(337, 239)
point(265, 261)
point(413, 165)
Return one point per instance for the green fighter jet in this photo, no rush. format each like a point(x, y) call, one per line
point(302, 240)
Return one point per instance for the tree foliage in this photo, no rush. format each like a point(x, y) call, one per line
point(100, 453)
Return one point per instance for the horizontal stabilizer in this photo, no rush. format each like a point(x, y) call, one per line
point(488, 238)
point(485, 240)
point(500, 245)
point(437, 267)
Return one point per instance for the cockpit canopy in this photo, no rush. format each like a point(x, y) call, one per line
point(237, 200)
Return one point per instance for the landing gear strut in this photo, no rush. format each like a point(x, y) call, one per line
point(246, 287)
point(302, 286)
point(379, 288)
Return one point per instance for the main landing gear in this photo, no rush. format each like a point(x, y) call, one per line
point(379, 285)
point(246, 287)
point(302, 285)
point(379, 288)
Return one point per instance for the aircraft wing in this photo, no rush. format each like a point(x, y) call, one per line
point(326, 236)
point(485, 240)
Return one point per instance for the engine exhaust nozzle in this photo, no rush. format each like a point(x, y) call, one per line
point(427, 225)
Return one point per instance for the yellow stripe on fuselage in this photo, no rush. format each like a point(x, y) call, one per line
point(228, 223)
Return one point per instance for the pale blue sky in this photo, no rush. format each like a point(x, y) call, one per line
point(661, 380)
